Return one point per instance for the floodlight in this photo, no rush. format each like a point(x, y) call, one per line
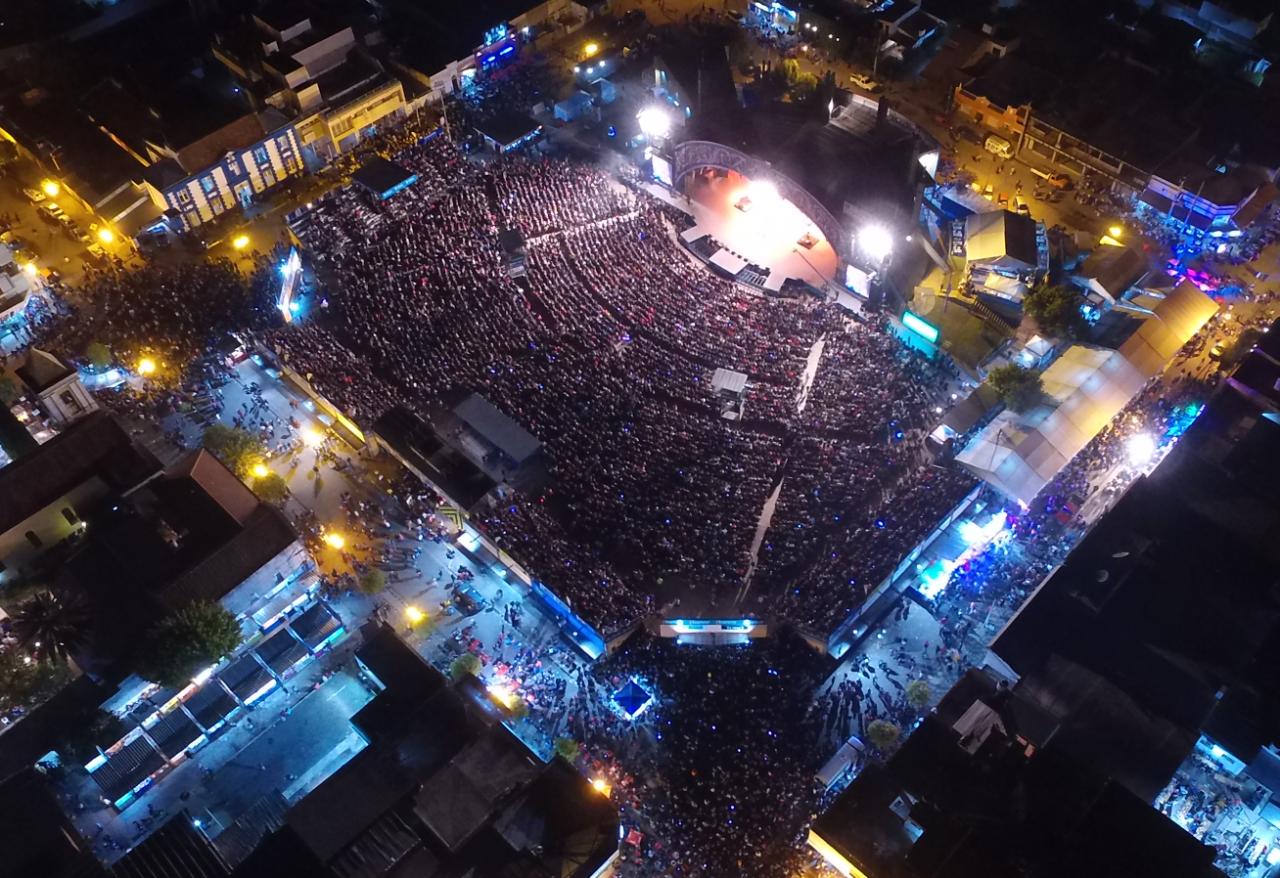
point(1140, 448)
point(876, 242)
point(655, 122)
point(762, 192)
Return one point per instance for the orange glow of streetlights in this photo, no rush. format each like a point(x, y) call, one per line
point(260, 471)
point(601, 786)
point(239, 242)
point(106, 236)
point(50, 188)
point(146, 366)
point(335, 541)
point(414, 615)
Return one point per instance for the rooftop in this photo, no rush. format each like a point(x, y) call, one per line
point(94, 447)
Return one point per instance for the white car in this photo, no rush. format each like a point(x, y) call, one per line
point(35, 196)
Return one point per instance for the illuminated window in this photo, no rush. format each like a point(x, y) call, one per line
point(260, 156)
point(208, 185)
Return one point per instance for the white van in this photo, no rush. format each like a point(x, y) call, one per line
point(999, 146)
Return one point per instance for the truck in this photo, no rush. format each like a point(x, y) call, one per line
point(997, 145)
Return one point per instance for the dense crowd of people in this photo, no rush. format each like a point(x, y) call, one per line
point(604, 350)
point(718, 775)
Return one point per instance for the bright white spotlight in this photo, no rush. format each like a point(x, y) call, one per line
point(876, 242)
point(1140, 448)
point(762, 192)
point(655, 122)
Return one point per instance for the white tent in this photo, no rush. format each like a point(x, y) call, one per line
point(1085, 388)
point(1174, 320)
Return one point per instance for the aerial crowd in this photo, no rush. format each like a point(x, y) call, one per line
point(604, 350)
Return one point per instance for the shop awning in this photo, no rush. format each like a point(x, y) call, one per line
point(1154, 199)
point(1197, 220)
point(1253, 208)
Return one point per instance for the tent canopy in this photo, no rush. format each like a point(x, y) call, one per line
point(1173, 322)
point(1001, 239)
point(1084, 388)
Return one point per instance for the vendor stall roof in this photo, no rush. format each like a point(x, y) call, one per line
point(505, 129)
point(384, 178)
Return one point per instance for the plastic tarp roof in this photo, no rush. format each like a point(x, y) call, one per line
point(1173, 322)
point(1086, 387)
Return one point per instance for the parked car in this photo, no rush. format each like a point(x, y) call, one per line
point(97, 254)
point(468, 599)
point(1216, 352)
point(35, 196)
point(49, 212)
point(866, 83)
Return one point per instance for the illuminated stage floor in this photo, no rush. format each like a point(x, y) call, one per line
point(766, 234)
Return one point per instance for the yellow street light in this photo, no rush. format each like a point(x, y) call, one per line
point(601, 786)
point(146, 366)
point(30, 268)
point(239, 242)
point(504, 695)
point(260, 471)
point(106, 236)
point(335, 540)
point(1115, 231)
point(50, 187)
point(590, 50)
point(414, 615)
point(312, 437)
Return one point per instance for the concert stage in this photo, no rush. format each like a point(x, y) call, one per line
point(755, 226)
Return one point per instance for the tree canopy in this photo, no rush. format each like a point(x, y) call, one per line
point(1019, 388)
point(271, 488)
point(238, 449)
point(918, 694)
point(463, 665)
point(182, 644)
point(53, 626)
point(1056, 310)
point(372, 581)
point(882, 734)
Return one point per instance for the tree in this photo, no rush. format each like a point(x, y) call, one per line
point(271, 488)
point(918, 694)
point(182, 644)
point(82, 740)
point(9, 390)
point(25, 682)
point(463, 665)
point(567, 748)
point(1056, 310)
point(372, 581)
point(98, 355)
point(53, 626)
point(1019, 388)
point(882, 734)
point(238, 449)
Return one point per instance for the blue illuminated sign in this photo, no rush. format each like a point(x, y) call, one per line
point(494, 34)
point(920, 327)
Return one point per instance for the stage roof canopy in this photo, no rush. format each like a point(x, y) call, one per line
point(383, 178)
point(1002, 240)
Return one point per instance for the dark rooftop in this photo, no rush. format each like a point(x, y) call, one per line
point(966, 796)
point(93, 447)
point(506, 128)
